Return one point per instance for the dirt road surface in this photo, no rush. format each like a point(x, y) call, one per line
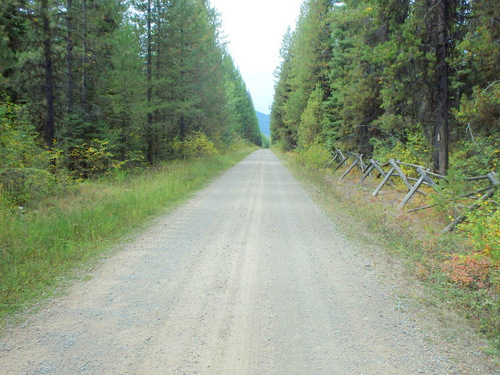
point(248, 277)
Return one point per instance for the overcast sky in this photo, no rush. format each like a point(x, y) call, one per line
point(254, 30)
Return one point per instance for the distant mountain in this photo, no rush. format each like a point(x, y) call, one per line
point(264, 123)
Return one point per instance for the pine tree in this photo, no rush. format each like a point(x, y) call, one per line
point(310, 52)
point(280, 132)
point(38, 68)
point(13, 29)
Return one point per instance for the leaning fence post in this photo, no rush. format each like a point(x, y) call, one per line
point(377, 166)
point(356, 161)
point(344, 158)
point(362, 165)
point(412, 191)
point(384, 181)
point(366, 174)
point(400, 173)
point(495, 183)
point(334, 158)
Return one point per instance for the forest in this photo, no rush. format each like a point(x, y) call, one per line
point(373, 75)
point(89, 86)
point(112, 112)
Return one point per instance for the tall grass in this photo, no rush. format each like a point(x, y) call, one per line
point(40, 246)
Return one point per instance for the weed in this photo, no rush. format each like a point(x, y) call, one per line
point(469, 271)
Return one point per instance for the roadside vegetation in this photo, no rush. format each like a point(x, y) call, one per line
point(459, 270)
point(48, 230)
point(417, 82)
point(110, 113)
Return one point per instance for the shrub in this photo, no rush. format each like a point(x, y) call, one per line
point(469, 271)
point(449, 191)
point(18, 145)
point(92, 160)
point(315, 155)
point(478, 157)
point(482, 229)
point(23, 185)
point(195, 145)
point(415, 150)
point(480, 234)
point(24, 164)
point(480, 112)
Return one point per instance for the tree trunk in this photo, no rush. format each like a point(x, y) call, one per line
point(149, 62)
point(441, 130)
point(183, 128)
point(84, 94)
point(49, 131)
point(69, 57)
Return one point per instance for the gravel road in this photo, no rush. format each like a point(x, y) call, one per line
point(248, 277)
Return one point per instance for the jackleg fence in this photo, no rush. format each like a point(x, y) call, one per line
point(394, 169)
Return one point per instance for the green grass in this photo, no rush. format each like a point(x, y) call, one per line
point(41, 248)
point(411, 240)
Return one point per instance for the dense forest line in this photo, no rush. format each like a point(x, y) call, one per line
point(90, 85)
point(417, 78)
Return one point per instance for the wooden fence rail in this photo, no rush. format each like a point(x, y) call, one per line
point(393, 169)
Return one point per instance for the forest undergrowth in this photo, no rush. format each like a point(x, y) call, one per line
point(459, 270)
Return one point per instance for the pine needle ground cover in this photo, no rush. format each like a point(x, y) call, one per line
point(41, 248)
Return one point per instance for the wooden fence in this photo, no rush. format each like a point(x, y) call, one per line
point(395, 169)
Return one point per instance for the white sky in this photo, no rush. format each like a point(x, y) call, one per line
point(254, 30)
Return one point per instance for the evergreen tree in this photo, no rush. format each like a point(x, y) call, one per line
point(39, 66)
point(280, 132)
point(477, 84)
point(365, 69)
point(13, 29)
point(88, 71)
point(309, 54)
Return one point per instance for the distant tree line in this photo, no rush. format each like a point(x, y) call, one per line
point(365, 75)
point(128, 78)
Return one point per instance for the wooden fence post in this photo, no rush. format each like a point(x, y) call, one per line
point(401, 173)
point(412, 192)
point(366, 174)
point(384, 181)
point(356, 161)
point(495, 183)
point(334, 158)
point(344, 158)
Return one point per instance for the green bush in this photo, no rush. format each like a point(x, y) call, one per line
point(196, 145)
point(18, 141)
point(480, 112)
point(414, 151)
point(482, 228)
point(24, 185)
point(477, 157)
point(28, 172)
point(448, 199)
point(481, 233)
point(92, 160)
point(315, 155)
